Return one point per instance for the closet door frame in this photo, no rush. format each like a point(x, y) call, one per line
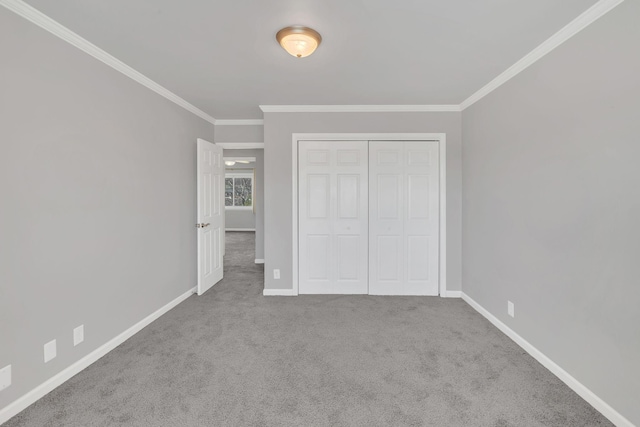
point(440, 138)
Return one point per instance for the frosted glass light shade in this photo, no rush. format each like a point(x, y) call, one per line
point(299, 41)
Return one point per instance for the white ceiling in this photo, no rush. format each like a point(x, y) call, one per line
point(221, 55)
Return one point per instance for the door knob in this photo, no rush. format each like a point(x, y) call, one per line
point(202, 225)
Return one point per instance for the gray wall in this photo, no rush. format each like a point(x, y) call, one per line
point(98, 201)
point(278, 129)
point(240, 219)
point(551, 197)
point(243, 133)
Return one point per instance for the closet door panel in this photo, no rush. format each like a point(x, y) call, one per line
point(386, 214)
point(403, 212)
point(421, 224)
point(333, 217)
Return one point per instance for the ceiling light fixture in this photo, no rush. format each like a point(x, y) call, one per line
point(299, 41)
point(229, 162)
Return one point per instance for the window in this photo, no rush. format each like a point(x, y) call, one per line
point(238, 190)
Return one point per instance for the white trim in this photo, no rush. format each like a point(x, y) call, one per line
point(236, 159)
point(581, 22)
point(369, 136)
point(40, 19)
point(241, 145)
point(442, 242)
point(259, 261)
point(239, 229)
point(599, 404)
point(294, 214)
point(453, 294)
point(442, 143)
point(60, 378)
point(239, 122)
point(358, 108)
point(279, 293)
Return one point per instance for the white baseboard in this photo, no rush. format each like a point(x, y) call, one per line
point(599, 404)
point(239, 229)
point(453, 294)
point(279, 293)
point(31, 397)
point(259, 261)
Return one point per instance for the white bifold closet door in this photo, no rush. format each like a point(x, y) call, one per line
point(403, 218)
point(333, 214)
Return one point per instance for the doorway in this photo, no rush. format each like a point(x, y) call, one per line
point(244, 193)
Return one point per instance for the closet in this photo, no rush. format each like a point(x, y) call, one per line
point(368, 215)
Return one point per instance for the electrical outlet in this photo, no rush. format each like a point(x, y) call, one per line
point(511, 310)
point(276, 274)
point(5, 377)
point(50, 351)
point(78, 335)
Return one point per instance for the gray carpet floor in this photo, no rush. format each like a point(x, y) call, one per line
point(235, 358)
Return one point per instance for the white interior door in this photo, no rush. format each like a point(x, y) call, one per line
point(333, 217)
point(403, 218)
point(210, 215)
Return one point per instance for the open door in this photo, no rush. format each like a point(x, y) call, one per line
point(210, 215)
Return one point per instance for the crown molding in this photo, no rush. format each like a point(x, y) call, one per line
point(584, 20)
point(43, 21)
point(358, 108)
point(239, 122)
point(581, 22)
point(241, 145)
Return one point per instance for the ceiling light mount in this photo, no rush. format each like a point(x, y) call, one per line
point(299, 41)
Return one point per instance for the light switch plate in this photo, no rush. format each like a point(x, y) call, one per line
point(511, 310)
point(5, 377)
point(78, 335)
point(50, 351)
